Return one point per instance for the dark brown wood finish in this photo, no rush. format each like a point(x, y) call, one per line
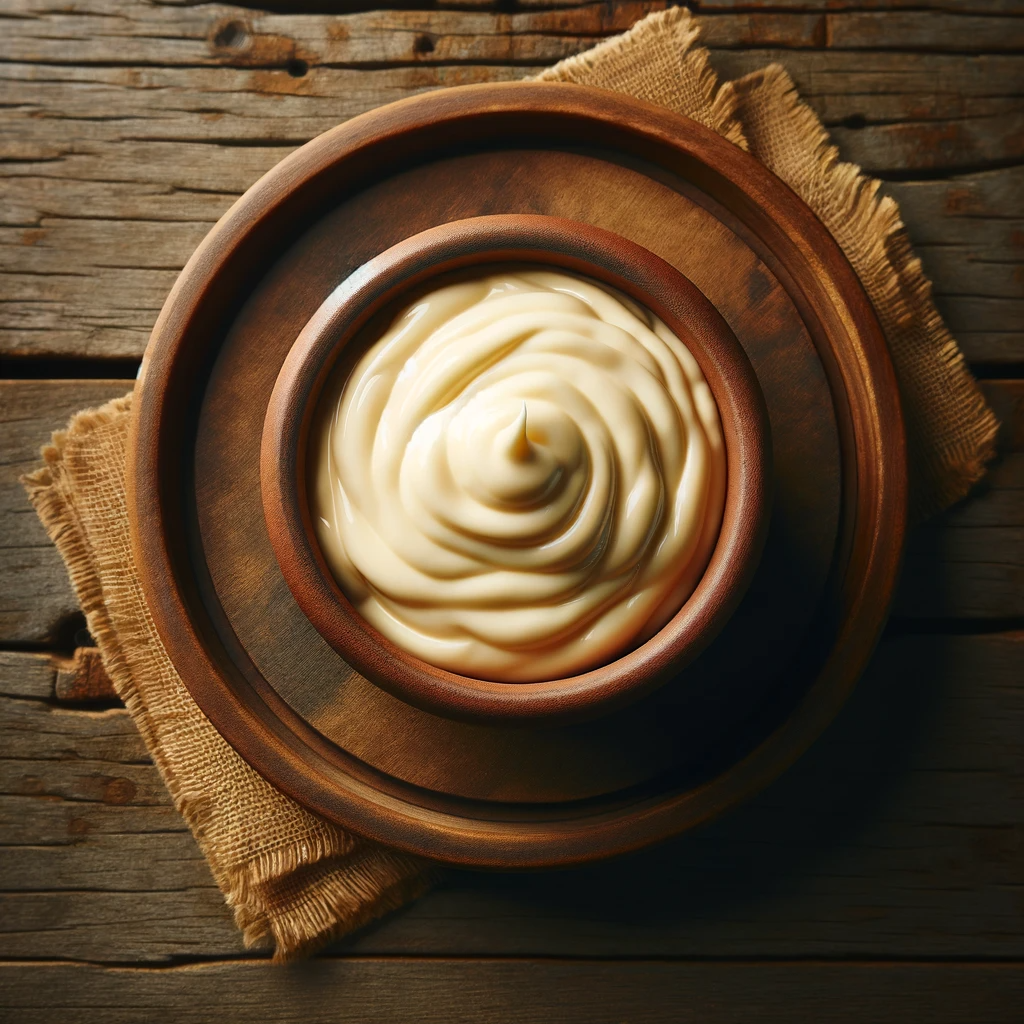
point(583, 249)
point(202, 640)
point(570, 991)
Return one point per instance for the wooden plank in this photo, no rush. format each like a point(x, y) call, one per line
point(1007, 400)
point(969, 233)
point(966, 563)
point(944, 213)
point(876, 107)
point(94, 286)
point(915, 89)
point(370, 991)
point(82, 807)
point(217, 35)
point(969, 562)
point(43, 730)
point(211, 35)
point(79, 679)
point(897, 835)
point(26, 675)
point(919, 88)
point(1010, 8)
point(36, 602)
point(101, 212)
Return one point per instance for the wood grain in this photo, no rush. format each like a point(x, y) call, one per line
point(965, 563)
point(82, 677)
point(515, 992)
point(219, 35)
point(26, 675)
point(36, 601)
point(969, 562)
point(898, 834)
point(84, 267)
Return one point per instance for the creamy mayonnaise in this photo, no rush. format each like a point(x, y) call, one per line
point(522, 479)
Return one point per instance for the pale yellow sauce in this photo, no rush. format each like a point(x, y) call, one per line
point(522, 479)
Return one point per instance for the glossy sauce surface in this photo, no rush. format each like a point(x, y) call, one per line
point(522, 479)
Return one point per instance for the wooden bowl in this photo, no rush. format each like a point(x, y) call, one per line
point(495, 795)
point(581, 249)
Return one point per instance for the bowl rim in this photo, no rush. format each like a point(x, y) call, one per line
point(578, 248)
point(248, 712)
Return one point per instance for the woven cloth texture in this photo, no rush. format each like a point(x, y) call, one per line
point(292, 878)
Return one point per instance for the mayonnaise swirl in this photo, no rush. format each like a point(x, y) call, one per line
point(521, 479)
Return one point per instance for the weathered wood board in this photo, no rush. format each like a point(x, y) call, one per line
point(369, 991)
point(897, 835)
point(197, 102)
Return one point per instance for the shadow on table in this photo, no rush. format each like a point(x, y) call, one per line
point(812, 824)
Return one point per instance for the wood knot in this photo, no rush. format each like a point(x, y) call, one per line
point(423, 44)
point(236, 44)
point(229, 34)
point(118, 791)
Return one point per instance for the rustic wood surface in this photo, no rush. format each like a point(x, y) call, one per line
point(879, 879)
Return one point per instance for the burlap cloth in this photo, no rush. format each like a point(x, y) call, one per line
point(287, 874)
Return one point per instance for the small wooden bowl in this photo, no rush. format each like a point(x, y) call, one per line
point(581, 249)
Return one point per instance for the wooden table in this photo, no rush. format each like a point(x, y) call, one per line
point(882, 878)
